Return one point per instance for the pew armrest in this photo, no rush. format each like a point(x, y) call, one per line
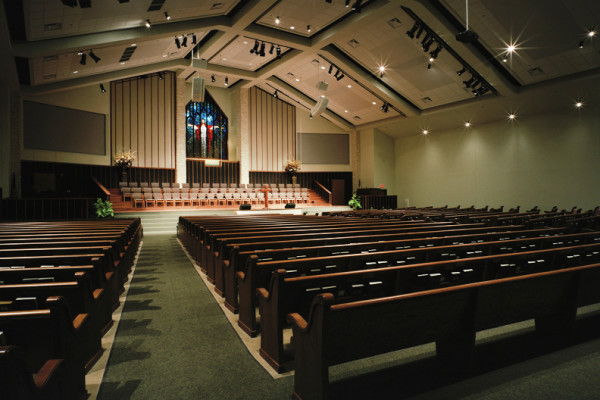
point(79, 321)
point(296, 320)
point(45, 374)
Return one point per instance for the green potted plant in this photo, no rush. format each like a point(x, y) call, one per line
point(354, 202)
point(103, 208)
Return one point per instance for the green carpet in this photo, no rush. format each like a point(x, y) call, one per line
point(173, 341)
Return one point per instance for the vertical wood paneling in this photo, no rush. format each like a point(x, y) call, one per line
point(143, 119)
point(272, 131)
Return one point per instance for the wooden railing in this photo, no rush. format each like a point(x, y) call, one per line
point(46, 208)
point(323, 191)
point(101, 189)
point(378, 202)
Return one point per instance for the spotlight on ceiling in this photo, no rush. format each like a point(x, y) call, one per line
point(277, 20)
point(102, 88)
point(194, 40)
point(278, 51)
point(462, 71)
point(93, 56)
point(167, 16)
point(482, 90)
point(591, 33)
point(212, 78)
point(177, 43)
point(336, 72)
point(226, 81)
point(308, 28)
point(148, 24)
point(419, 32)
point(357, 6)
point(275, 94)
point(330, 68)
point(511, 116)
point(339, 78)
point(272, 48)
point(429, 66)
point(385, 107)
point(579, 104)
point(581, 44)
point(427, 45)
point(467, 124)
point(83, 58)
point(161, 75)
point(413, 30)
point(470, 82)
point(255, 48)
point(261, 52)
point(184, 41)
point(347, 4)
point(70, 3)
point(381, 71)
point(435, 53)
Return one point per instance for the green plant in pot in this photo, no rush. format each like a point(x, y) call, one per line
point(354, 202)
point(103, 208)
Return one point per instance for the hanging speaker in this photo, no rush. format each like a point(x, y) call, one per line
point(320, 106)
point(198, 88)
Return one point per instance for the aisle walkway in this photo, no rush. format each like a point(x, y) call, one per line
point(173, 341)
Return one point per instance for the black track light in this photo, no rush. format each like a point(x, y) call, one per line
point(339, 78)
point(212, 78)
point(482, 90)
point(275, 94)
point(278, 51)
point(161, 75)
point(425, 39)
point(177, 43)
point(428, 45)
point(93, 56)
point(184, 41)
point(167, 16)
point(148, 24)
point(262, 50)
point(255, 48)
point(194, 40)
point(474, 88)
point(330, 68)
point(581, 44)
point(70, 3)
point(357, 6)
point(462, 71)
point(272, 49)
point(385, 107)
point(413, 30)
point(336, 72)
point(328, 1)
point(83, 58)
point(347, 4)
point(419, 32)
point(470, 82)
point(429, 66)
point(226, 81)
point(435, 53)
point(102, 88)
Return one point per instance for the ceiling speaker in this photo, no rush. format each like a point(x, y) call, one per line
point(322, 86)
point(320, 106)
point(198, 89)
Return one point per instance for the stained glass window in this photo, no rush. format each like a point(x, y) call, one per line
point(207, 130)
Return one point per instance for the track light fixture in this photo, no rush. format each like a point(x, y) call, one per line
point(581, 44)
point(226, 81)
point(462, 71)
point(277, 20)
point(255, 48)
point(167, 16)
point(278, 51)
point(275, 94)
point(429, 66)
point(184, 41)
point(330, 68)
point(470, 82)
point(357, 6)
point(385, 107)
point(93, 56)
point(347, 4)
point(308, 28)
point(427, 45)
point(272, 48)
point(102, 88)
point(419, 32)
point(413, 30)
point(435, 53)
point(161, 75)
point(262, 50)
point(148, 24)
point(83, 58)
point(425, 39)
point(212, 78)
point(336, 72)
point(341, 75)
point(177, 43)
point(194, 39)
point(381, 71)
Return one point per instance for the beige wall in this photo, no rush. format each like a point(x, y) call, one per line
point(88, 98)
point(544, 159)
point(384, 160)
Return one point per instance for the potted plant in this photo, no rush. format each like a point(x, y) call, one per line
point(292, 167)
point(124, 161)
point(103, 208)
point(354, 202)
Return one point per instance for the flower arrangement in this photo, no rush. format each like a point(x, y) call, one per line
point(124, 159)
point(291, 167)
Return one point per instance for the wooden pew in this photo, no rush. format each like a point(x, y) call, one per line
point(51, 333)
point(288, 294)
point(450, 317)
point(19, 383)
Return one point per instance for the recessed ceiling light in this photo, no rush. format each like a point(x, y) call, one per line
point(579, 104)
point(123, 63)
point(277, 20)
point(467, 124)
point(511, 48)
point(297, 79)
point(591, 33)
point(75, 72)
point(322, 95)
point(133, 44)
point(425, 132)
point(224, 59)
point(349, 86)
point(345, 111)
point(374, 102)
point(164, 55)
point(292, 27)
point(512, 116)
point(245, 42)
point(322, 67)
point(431, 59)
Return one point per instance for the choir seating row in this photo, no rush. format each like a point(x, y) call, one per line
point(208, 185)
point(127, 192)
point(59, 284)
point(373, 274)
point(148, 199)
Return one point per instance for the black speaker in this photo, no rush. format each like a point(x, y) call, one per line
point(245, 206)
point(290, 205)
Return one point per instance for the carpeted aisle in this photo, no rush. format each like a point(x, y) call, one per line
point(173, 341)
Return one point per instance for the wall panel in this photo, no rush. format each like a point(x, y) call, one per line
point(272, 131)
point(143, 120)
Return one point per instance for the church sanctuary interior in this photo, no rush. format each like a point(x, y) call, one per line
point(305, 199)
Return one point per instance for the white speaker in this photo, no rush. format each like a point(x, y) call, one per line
point(198, 88)
point(320, 106)
point(322, 86)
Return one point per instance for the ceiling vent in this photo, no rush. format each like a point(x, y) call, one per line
point(57, 26)
point(127, 53)
point(50, 58)
point(356, 117)
point(535, 71)
point(315, 62)
point(394, 23)
point(216, 6)
point(353, 43)
point(50, 76)
point(156, 5)
point(426, 99)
